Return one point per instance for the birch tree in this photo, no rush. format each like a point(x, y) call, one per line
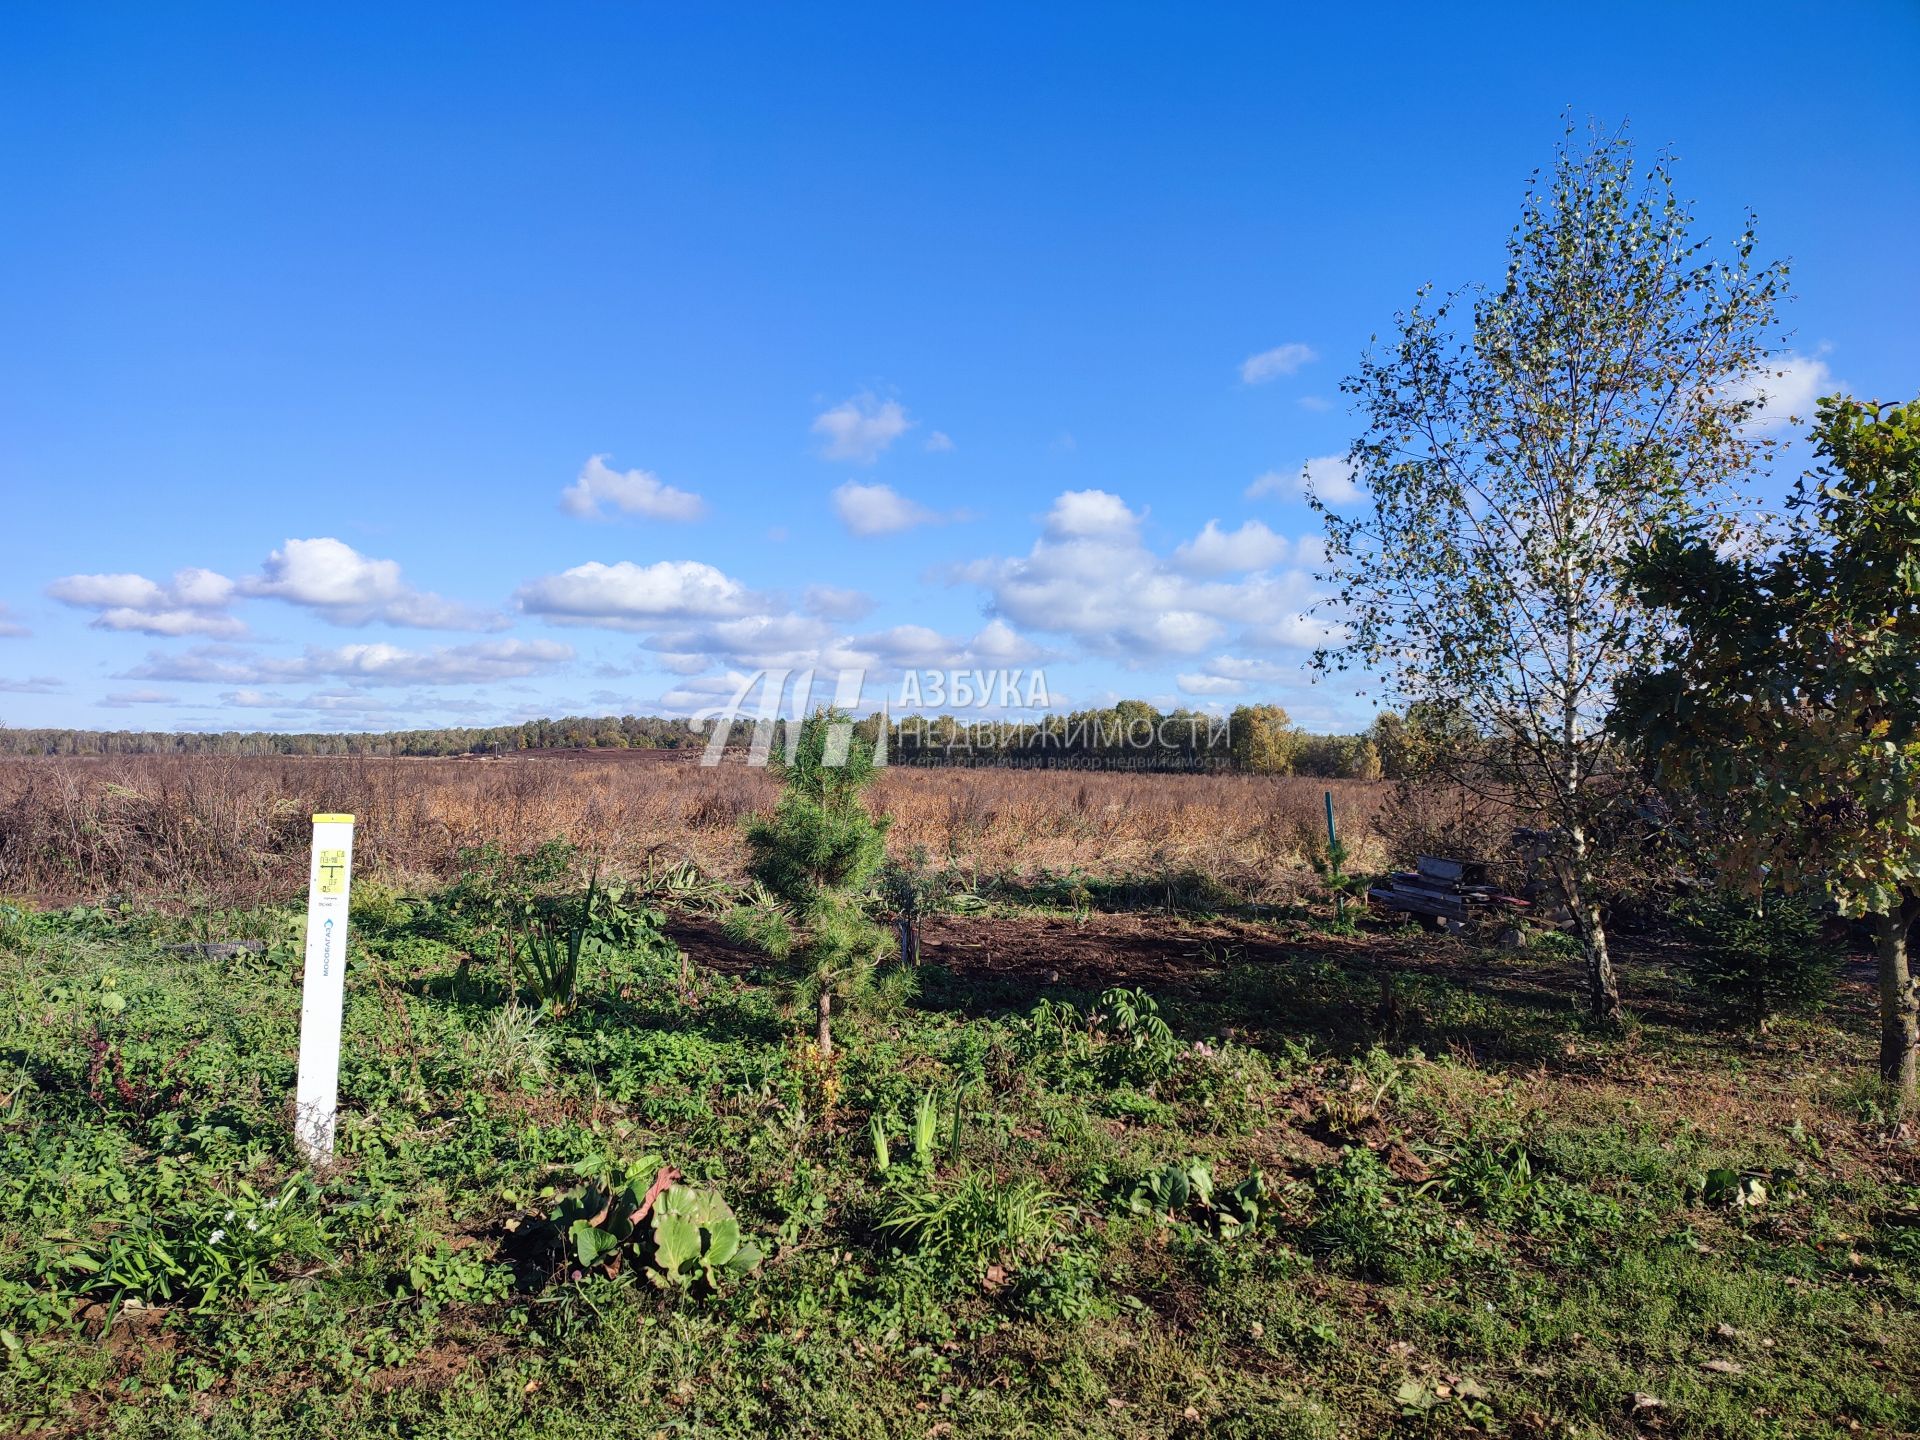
point(1519, 440)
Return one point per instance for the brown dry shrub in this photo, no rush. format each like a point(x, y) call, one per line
point(186, 828)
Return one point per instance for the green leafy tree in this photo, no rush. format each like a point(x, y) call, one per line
point(1790, 693)
point(1509, 470)
point(814, 856)
point(1263, 739)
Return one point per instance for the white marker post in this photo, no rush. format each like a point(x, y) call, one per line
point(323, 992)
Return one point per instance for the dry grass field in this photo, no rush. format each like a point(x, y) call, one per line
point(211, 829)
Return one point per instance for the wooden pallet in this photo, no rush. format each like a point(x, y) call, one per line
point(1444, 889)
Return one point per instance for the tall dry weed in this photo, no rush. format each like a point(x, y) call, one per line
point(235, 829)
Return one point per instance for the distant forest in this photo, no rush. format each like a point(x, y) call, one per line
point(1131, 735)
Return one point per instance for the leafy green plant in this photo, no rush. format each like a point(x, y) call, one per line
point(1372, 1225)
point(1729, 1189)
point(511, 1047)
point(457, 1277)
point(972, 1221)
point(680, 1235)
point(1139, 1047)
point(174, 1250)
point(1168, 1191)
point(531, 911)
point(1186, 1192)
point(926, 1129)
point(1510, 1186)
point(1372, 1080)
point(697, 1240)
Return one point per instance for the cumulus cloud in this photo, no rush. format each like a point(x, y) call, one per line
point(627, 596)
point(1220, 552)
point(194, 602)
point(635, 492)
point(367, 664)
point(831, 602)
point(1237, 674)
point(868, 510)
point(1271, 364)
point(1091, 576)
point(127, 699)
point(31, 685)
point(753, 642)
point(860, 428)
point(919, 647)
point(1328, 476)
point(344, 587)
point(939, 442)
point(1090, 514)
point(10, 626)
point(1783, 392)
point(1201, 684)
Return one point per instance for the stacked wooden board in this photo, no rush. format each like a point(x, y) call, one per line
point(1443, 889)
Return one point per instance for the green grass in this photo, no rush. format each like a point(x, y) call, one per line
point(1484, 1219)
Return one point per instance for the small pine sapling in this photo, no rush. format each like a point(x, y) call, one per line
point(814, 857)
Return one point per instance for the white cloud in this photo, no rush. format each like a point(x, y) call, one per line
point(1210, 685)
point(675, 664)
point(345, 587)
point(1281, 360)
point(1220, 552)
point(1784, 391)
point(1090, 576)
point(919, 647)
point(126, 699)
point(31, 685)
point(1236, 674)
point(1000, 643)
point(1090, 514)
point(1328, 476)
point(831, 602)
point(868, 510)
point(368, 664)
point(485, 660)
point(752, 642)
point(626, 596)
point(194, 602)
point(939, 442)
point(636, 492)
point(860, 428)
point(10, 628)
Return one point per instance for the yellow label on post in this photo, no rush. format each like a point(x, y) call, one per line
point(333, 819)
point(333, 872)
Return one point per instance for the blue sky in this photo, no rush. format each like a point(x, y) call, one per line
point(914, 336)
